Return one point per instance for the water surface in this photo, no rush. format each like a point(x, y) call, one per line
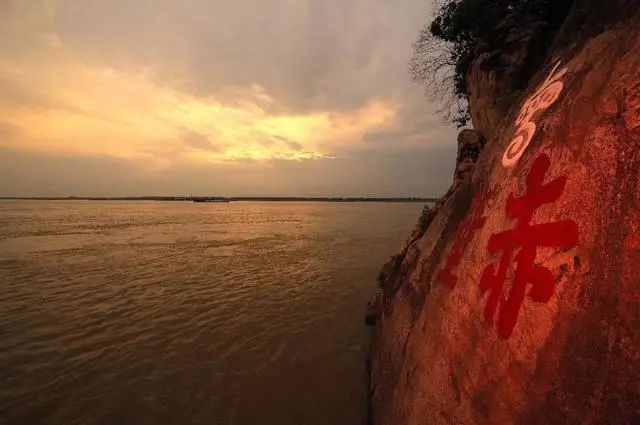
point(183, 313)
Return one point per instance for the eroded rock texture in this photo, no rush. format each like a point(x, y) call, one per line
point(470, 144)
point(495, 76)
point(518, 302)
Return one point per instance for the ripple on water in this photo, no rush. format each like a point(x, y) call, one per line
point(147, 313)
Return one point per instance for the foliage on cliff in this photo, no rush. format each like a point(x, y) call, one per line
point(461, 29)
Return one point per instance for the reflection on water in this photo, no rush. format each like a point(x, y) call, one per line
point(182, 313)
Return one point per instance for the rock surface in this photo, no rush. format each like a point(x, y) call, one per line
point(518, 300)
point(495, 78)
point(470, 144)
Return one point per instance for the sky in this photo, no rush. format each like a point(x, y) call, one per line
point(216, 97)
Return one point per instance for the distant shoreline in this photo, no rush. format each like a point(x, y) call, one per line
point(214, 198)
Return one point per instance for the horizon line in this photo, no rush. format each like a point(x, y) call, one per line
point(226, 198)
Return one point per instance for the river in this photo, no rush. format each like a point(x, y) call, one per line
point(184, 313)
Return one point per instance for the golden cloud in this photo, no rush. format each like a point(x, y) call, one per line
point(75, 108)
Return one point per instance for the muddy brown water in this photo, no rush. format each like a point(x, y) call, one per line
point(183, 313)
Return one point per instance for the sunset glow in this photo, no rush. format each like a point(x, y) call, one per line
point(85, 80)
point(102, 111)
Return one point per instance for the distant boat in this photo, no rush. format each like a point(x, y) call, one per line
point(209, 200)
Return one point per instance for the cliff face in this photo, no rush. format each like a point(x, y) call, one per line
point(494, 78)
point(516, 300)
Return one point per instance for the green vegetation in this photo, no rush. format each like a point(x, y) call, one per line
point(447, 46)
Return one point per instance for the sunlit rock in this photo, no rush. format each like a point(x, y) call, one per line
point(518, 302)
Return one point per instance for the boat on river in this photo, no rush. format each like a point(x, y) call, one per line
point(216, 200)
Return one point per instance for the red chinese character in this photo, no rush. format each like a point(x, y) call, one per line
point(527, 238)
point(463, 236)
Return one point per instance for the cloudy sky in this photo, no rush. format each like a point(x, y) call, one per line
point(216, 97)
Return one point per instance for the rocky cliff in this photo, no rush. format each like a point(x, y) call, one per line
point(516, 299)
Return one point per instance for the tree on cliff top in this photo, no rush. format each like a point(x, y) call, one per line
point(446, 47)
